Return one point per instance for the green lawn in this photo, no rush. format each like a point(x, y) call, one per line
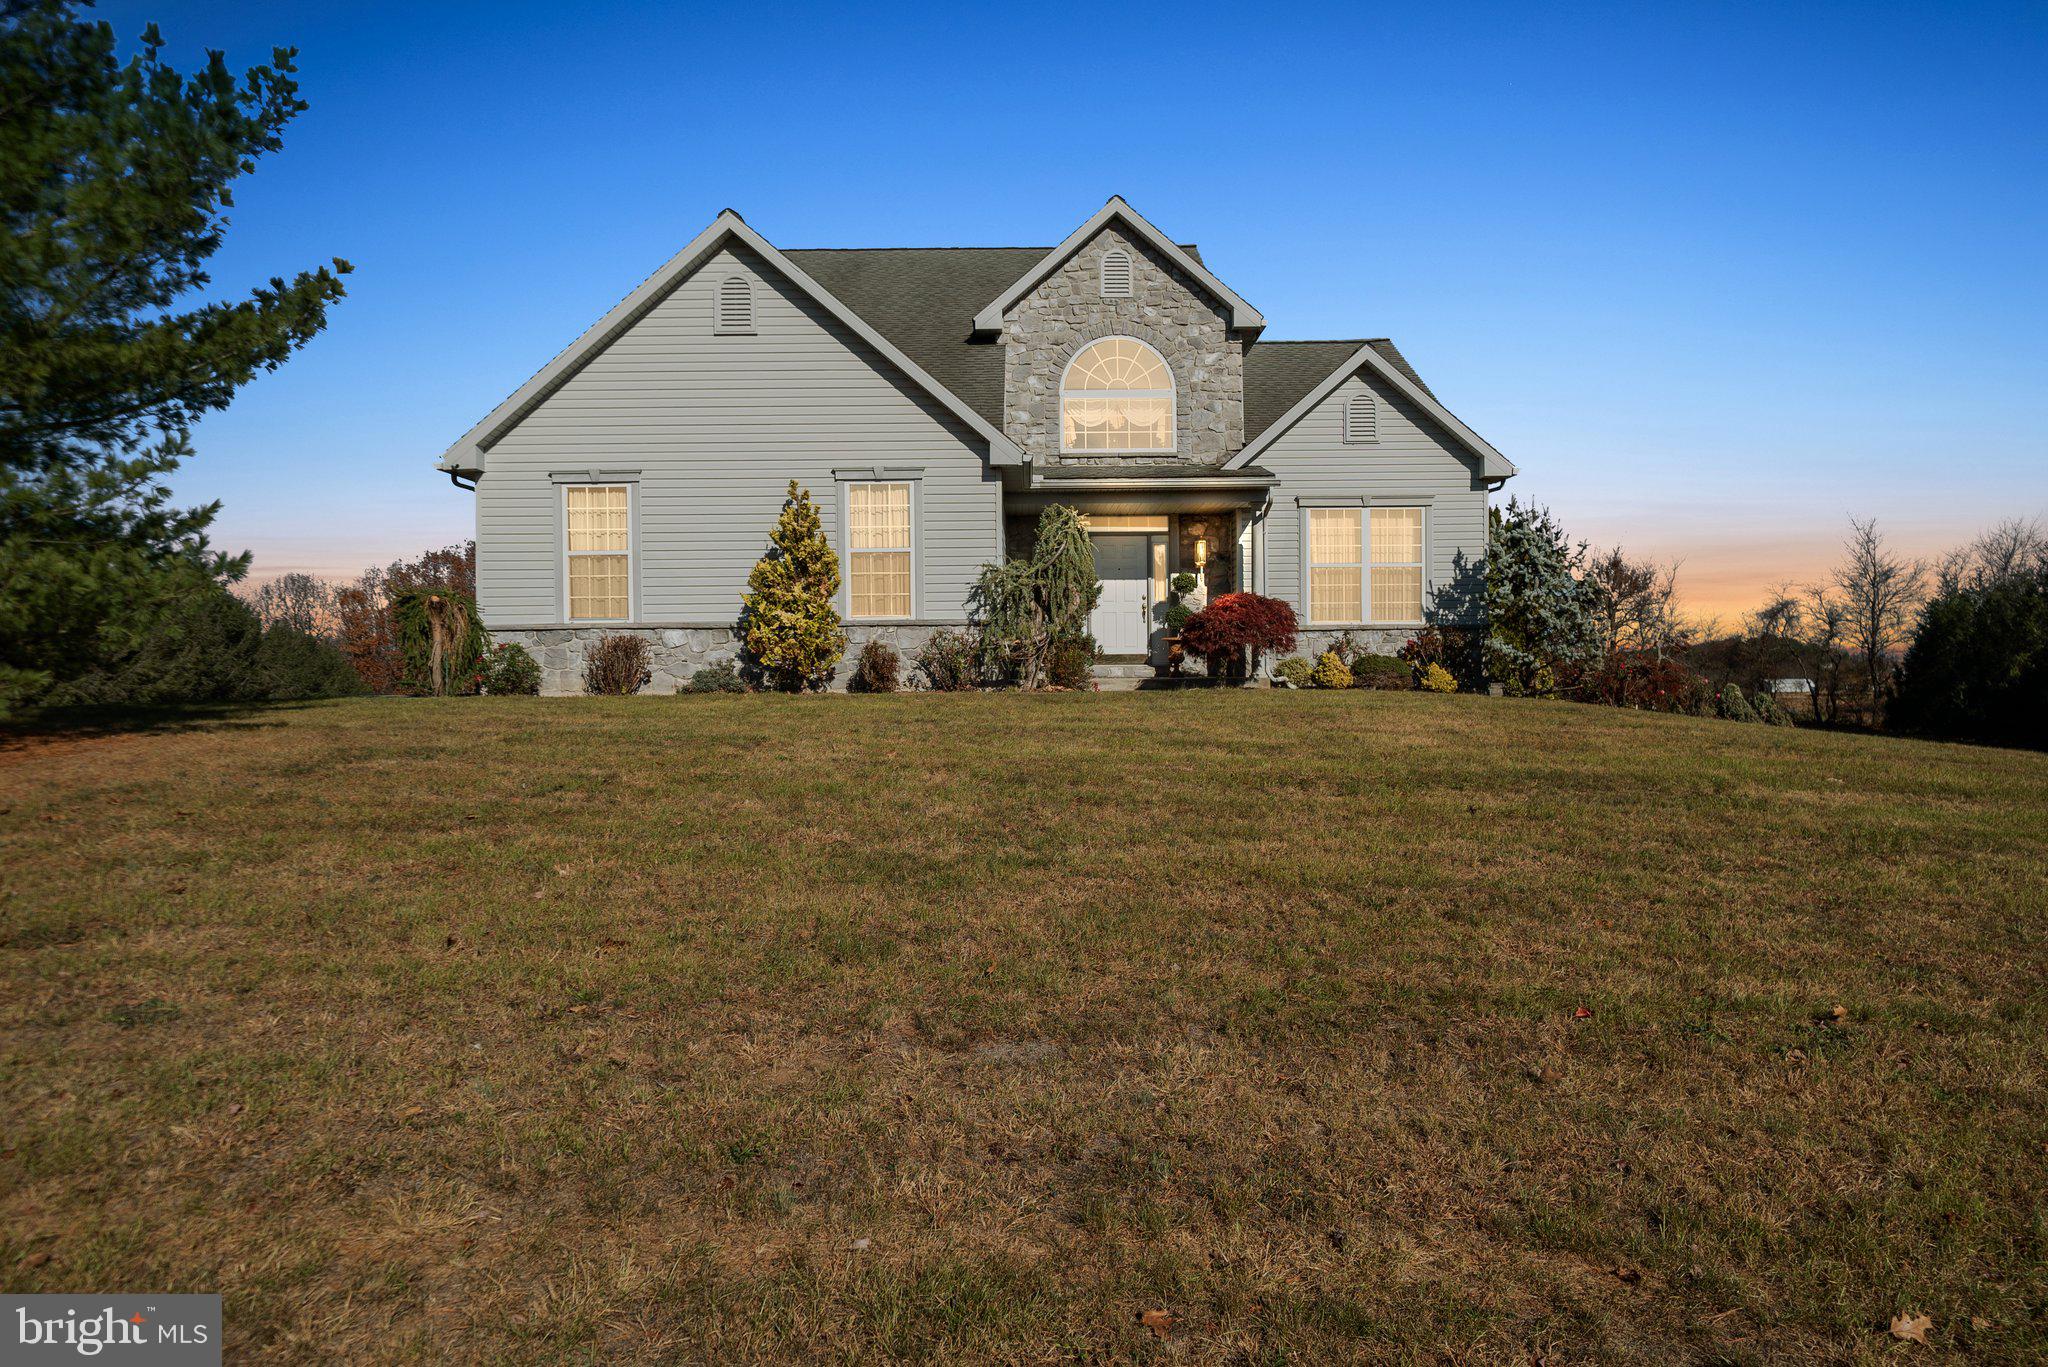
point(979, 1026)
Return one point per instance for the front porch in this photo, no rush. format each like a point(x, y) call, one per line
point(1144, 540)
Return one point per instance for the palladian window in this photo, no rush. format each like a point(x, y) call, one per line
point(1116, 397)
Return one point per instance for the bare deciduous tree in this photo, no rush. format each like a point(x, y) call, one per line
point(297, 601)
point(1821, 622)
point(2016, 546)
point(1780, 616)
point(1880, 595)
point(1636, 604)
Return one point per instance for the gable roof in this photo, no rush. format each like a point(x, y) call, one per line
point(1277, 374)
point(467, 455)
point(911, 304)
point(1287, 385)
point(1242, 315)
point(920, 298)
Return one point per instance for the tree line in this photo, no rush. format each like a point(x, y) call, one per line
point(1957, 648)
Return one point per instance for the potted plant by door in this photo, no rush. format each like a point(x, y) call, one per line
point(1180, 589)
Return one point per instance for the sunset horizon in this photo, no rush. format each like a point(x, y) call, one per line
point(1721, 283)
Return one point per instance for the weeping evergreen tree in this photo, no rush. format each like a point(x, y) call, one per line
point(1028, 608)
point(787, 620)
point(442, 640)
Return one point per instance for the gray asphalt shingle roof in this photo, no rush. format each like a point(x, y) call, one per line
point(1278, 374)
point(924, 300)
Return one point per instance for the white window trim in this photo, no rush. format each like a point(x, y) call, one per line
point(1365, 562)
point(846, 487)
point(632, 489)
point(1172, 397)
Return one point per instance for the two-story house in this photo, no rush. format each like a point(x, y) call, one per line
point(934, 400)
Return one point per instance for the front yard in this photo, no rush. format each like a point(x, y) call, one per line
point(1251, 1026)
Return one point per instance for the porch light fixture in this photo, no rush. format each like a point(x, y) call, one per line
point(1201, 552)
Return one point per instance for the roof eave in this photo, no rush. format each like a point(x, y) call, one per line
point(1243, 317)
point(1493, 465)
point(468, 455)
point(1241, 479)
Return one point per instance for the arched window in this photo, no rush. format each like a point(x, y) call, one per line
point(1116, 274)
point(1116, 397)
point(735, 311)
point(1362, 418)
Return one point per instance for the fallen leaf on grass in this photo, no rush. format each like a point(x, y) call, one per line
point(1160, 1322)
point(861, 1245)
point(35, 1260)
point(1582, 1013)
point(1910, 1326)
point(1979, 1323)
point(1838, 1012)
point(411, 1112)
point(1629, 1276)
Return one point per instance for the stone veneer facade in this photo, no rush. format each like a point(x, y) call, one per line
point(1044, 330)
point(1377, 640)
point(675, 653)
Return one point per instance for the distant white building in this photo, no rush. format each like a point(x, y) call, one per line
point(1788, 685)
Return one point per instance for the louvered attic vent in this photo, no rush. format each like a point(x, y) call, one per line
point(1361, 419)
point(1116, 274)
point(735, 305)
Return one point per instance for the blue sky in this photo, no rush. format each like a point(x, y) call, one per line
point(1716, 277)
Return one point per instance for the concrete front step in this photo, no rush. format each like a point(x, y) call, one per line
point(1128, 673)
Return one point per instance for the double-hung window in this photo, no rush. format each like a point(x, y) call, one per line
point(1396, 569)
point(1336, 565)
point(1360, 558)
point(878, 550)
point(598, 550)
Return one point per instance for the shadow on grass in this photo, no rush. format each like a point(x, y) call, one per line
point(59, 724)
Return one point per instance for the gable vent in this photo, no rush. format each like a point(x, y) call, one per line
point(735, 305)
point(1362, 418)
point(1116, 274)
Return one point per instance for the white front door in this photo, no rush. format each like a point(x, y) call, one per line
point(1122, 621)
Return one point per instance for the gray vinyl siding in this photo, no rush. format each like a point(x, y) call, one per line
point(1413, 457)
point(716, 426)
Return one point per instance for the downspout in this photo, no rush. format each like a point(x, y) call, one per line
point(455, 478)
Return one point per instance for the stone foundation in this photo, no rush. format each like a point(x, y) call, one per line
point(675, 653)
point(1388, 642)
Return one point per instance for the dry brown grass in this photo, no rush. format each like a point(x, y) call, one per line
point(608, 1029)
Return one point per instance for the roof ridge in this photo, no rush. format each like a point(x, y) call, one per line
point(956, 247)
point(953, 247)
